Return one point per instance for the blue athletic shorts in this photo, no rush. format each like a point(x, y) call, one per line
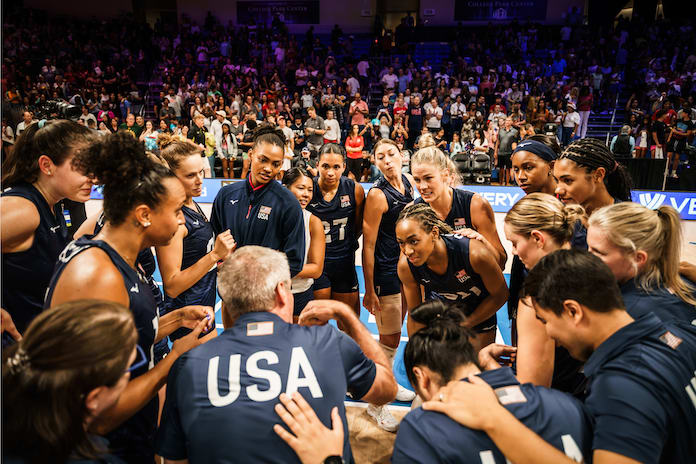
point(339, 275)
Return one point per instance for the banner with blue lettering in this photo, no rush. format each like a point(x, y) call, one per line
point(500, 198)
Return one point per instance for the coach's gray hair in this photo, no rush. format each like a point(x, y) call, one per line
point(248, 278)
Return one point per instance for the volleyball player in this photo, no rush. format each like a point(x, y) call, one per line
point(532, 169)
point(188, 263)
point(142, 208)
point(539, 224)
point(72, 365)
point(380, 258)
point(338, 202)
point(458, 208)
point(299, 182)
point(37, 175)
point(450, 267)
point(641, 372)
point(587, 174)
point(259, 211)
point(642, 249)
point(442, 352)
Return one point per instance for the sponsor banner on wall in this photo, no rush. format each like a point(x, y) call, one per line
point(289, 12)
point(499, 10)
point(500, 198)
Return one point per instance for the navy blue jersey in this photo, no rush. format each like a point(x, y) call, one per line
point(268, 215)
point(387, 249)
point(459, 216)
point(338, 218)
point(666, 306)
point(26, 274)
point(460, 285)
point(199, 241)
point(136, 435)
point(642, 392)
point(561, 420)
point(221, 395)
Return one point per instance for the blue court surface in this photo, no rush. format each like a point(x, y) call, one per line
point(369, 321)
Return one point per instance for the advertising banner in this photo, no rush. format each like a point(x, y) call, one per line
point(289, 12)
point(500, 198)
point(499, 10)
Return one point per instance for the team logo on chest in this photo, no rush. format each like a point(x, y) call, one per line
point(459, 223)
point(462, 276)
point(345, 201)
point(264, 212)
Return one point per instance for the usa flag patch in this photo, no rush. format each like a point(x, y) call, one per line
point(459, 223)
point(671, 340)
point(462, 276)
point(255, 329)
point(264, 212)
point(345, 201)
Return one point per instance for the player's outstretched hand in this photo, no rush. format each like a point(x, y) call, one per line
point(319, 312)
point(191, 315)
point(311, 440)
point(7, 325)
point(183, 344)
point(495, 355)
point(470, 403)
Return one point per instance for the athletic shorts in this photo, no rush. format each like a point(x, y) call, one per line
point(301, 299)
point(339, 275)
point(504, 161)
point(386, 283)
point(486, 326)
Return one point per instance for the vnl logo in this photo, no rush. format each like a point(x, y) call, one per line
point(652, 201)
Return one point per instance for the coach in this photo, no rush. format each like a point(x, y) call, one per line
point(221, 397)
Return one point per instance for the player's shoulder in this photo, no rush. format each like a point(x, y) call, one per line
point(231, 188)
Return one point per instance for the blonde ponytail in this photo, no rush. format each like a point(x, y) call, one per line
point(543, 212)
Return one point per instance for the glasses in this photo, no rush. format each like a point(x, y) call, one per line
point(140, 359)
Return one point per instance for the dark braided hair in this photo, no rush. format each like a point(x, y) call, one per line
point(119, 163)
point(592, 154)
point(333, 149)
point(265, 133)
point(426, 217)
point(442, 345)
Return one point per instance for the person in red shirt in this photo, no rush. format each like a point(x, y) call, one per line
point(354, 147)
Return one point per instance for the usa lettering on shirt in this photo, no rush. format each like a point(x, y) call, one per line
point(459, 223)
point(345, 201)
point(264, 212)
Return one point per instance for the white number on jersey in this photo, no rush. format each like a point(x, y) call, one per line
point(570, 449)
point(343, 222)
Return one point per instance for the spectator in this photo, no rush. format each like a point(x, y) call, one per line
point(678, 137)
point(333, 130)
point(254, 284)
point(415, 121)
point(130, 126)
point(622, 145)
point(570, 124)
point(87, 116)
point(227, 150)
point(390, 80)
point(585, 101)
point(658, 130)
point(149, 137)
point(306, 162)
point(508, 138)
point(433, 116)
point(28, 119)
point(357, 111)
point(355, 144)
point(314, 129)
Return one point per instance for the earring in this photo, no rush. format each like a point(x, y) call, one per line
point(146, 224)
point(50, 173)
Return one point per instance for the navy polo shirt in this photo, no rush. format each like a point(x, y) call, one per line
point(221, 395)
point(266, 215)
point(560, 419)
point(666, 306)
point(642, 391)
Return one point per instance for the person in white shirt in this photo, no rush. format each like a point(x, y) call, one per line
point(216, 125)
point(289, 135)
point(28, 120)
point(353, 85)
point(571, 121)
point(175, 102)
point(433, 115)
point(389, 80)
point(86, 116)
point(333, 130)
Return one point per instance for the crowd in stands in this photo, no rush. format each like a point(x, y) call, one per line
point(544, 78)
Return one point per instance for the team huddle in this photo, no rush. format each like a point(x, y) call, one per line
point(101, 365)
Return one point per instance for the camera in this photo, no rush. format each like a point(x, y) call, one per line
point(55, 109)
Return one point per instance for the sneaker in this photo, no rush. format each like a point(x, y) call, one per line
point(383, 417)
point(404, 394)
point(674, 176)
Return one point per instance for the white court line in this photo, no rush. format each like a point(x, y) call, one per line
point(392, 407)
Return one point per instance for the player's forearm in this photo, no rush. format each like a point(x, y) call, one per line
point(368, 265)
point(487, 308)
point(181, 281)
point(359, 333)
point(168, 324)
point(137, 394)
point(518, 443)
